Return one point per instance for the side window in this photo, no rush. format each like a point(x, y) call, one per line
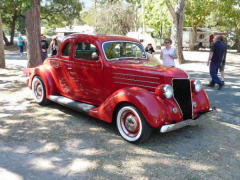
point(67, 49)
point(201, 36)
point(86, 51)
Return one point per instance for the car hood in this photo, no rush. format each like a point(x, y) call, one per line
point(148, 67)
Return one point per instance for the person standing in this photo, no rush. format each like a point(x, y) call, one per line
point(20, 44)
point(44, 45)
point(54, 46)
point(211, 37)
point(215, 59)
point(222, 65)
point(168, 54)
point(149, 49)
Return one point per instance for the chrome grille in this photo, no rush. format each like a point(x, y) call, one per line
point(183, 96)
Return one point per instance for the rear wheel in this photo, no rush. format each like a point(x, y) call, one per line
point(39, 91)
point(131, 124)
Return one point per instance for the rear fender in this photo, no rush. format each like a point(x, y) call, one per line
point(47, 78)
point(151, 108)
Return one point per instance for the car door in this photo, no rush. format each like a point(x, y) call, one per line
point(63, 71)
point(89, 71)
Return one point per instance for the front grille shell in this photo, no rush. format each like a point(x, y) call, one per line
point(183, 96)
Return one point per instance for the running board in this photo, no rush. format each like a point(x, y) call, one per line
point(76, 105)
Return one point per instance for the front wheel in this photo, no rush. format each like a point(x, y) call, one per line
point(131, 124)
point(39, 91)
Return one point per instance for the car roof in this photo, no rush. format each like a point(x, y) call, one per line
point(101, 37)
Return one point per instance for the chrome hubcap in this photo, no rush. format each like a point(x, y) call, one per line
point(131, 123)
point(38, 90)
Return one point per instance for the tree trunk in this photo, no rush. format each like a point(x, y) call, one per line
point(237, 44)
point(7, 43)
point(13, 25)
point(177, 27)
point(2, 55)
point(33, 35)
point(193, 38)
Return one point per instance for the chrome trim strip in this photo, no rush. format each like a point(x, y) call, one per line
point(136, 75)
point(136, 80)
point(135, 85)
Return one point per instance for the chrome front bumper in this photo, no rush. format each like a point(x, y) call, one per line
point(188, 122)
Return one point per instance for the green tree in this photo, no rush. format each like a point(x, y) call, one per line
point(11, 11)
point(158, 17)
point(113, 17)
point(227, 19)
point(33, 34)
point(177, 8)
point(195, 14)
point(53, 13)
point(57, 13)
point(2, 56)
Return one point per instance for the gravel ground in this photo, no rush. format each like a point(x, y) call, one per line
point(55, 143)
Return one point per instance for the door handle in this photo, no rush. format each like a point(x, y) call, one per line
point(69, 68)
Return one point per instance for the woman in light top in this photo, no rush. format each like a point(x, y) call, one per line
point(168, 54)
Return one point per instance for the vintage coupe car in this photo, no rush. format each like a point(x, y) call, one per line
point(111, 78)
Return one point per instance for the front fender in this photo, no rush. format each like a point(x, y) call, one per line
point(47, 78)
point(202, 101)
point(151, 108)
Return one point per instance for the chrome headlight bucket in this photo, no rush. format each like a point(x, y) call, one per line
point(165, 91)
point(168, 91)
point(197, 85)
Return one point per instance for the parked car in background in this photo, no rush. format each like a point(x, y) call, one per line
point(109, 77)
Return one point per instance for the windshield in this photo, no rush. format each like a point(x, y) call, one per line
point(115, 50)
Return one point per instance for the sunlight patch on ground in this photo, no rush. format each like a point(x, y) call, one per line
point(49, 147)
point(42, 164)
point(201, 167)
point(82, 165)
point(4, 131)
point(231, 125)
point(5, 174)
point(4, 115)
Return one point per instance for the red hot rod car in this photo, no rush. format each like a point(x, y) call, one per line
point(110, 77)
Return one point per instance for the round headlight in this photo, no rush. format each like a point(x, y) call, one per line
point(197, 85)
point(168, 91)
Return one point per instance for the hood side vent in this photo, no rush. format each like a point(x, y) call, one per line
point(136, 80)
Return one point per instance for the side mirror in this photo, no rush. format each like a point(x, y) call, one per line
point(95, 55)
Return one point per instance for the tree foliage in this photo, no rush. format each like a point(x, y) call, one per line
point(53, 13)
point(11, 11)
point(227, 19)
point(195, 14)
point(158, 17)
point(57, 13)
point(113, 17)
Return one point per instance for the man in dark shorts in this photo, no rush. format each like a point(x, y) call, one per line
point(222, 66)
point(215, 58)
